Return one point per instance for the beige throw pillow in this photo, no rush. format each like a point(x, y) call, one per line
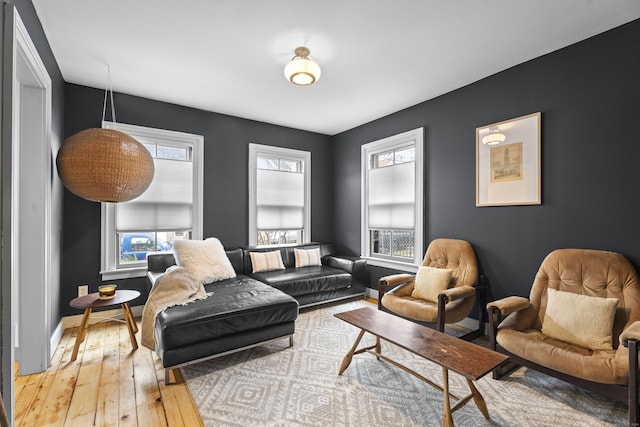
point(205, 260)
point(266, 261)
point(582, 320)
point(307, 257)
point(430, 281)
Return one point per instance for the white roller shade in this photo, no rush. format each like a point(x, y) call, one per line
point(392, 196)
point(166, 205)
point(279, 200)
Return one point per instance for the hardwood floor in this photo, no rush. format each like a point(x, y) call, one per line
point(108, 385)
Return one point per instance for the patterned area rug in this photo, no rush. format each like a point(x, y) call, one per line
point(274, 385)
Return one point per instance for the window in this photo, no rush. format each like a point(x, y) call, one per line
point(279, 195)
point(392, 201)
point(170, 209)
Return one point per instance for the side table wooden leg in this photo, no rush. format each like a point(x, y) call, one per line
point(447, 418)
point(82, 332)
point(130, 325)
point(346, 361)
point(133, 321)
point(478, 399)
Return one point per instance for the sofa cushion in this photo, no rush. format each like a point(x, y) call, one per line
point(306, 280)
point(237, 305)
point(205, 260)
point(578, 319)
point(266, 261)
point(307, 257)
point(430, 281)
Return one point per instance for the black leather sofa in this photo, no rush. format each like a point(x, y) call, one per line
point(337, 278)
point(250, 309)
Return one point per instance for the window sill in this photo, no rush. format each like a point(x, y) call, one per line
point(387, 263)
point(124, 273)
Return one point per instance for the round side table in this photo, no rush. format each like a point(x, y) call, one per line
point(91, 301)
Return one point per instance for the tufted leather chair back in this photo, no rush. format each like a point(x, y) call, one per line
point(589, 272)
point(457, 255)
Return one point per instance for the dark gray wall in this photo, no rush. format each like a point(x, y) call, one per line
point(588, 96)
point(226, 203)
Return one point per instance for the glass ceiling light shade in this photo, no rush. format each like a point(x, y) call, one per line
point(495, 137)
point(105, 165)
point(301, 70)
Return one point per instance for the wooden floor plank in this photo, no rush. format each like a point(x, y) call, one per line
point(127, 407)
point(176, 397)
point(108, 388)
point(82, 410)
point(148, 399)
point(45, 401)
point(107, 385)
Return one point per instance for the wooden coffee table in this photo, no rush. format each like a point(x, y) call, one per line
point(453, 354)
point(91, 301)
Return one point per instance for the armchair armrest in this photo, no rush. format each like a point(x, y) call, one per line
point(459, 292)
point(395, 279)
point(392, 280)
point(631, 333)
point(508, 305)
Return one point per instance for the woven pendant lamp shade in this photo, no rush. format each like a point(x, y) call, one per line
point(105, 165)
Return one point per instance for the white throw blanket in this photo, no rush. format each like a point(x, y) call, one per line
point(177, 287)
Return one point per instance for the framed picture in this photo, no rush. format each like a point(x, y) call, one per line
point(508, 163)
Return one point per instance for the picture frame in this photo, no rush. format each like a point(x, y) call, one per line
point(508, 162)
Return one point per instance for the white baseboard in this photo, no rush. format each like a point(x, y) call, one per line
point(55, 338)
point(99, 316)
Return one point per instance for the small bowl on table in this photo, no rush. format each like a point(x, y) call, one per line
point(107, 291)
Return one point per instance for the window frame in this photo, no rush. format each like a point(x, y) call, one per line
point(415, 136)
point(109, 238)
point(256, 150)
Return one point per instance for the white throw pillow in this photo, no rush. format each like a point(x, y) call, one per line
point(430, 281)
point(205, 260)
point(266, 261)
point(307, 257)
point(578, 319)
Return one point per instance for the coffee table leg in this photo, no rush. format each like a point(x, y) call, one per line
point(478, 399)
point(346, 361)
point(81, 333)
point(131, 325)
point(447, 418)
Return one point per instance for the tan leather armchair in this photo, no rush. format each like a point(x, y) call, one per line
point(454, 303)
point(516, 324)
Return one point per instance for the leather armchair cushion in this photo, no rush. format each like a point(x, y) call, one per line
point(603, 366)
point(399, 300)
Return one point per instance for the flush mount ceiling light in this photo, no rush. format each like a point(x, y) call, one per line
point(105, 165)
point(301, 70)
point(495, 137)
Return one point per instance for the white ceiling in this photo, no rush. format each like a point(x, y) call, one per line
point(377, 57)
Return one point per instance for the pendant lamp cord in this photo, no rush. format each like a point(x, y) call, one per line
point(109, 89)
